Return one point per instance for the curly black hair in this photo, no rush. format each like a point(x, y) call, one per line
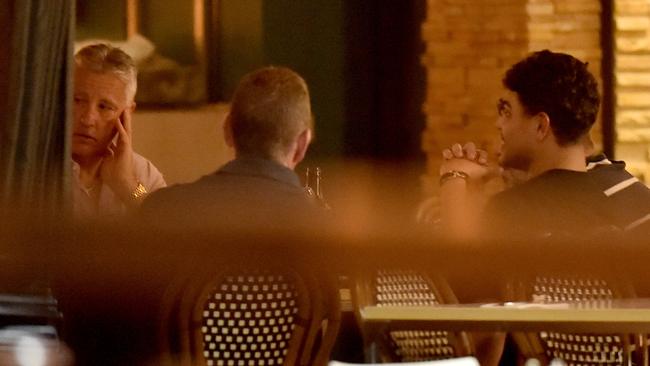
point(560, 86)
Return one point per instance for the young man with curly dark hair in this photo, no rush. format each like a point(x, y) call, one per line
point(545, 112)
point(548, 105)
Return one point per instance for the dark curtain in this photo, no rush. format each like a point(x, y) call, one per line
point(35, 145)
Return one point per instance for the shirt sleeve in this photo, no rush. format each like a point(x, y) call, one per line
point(148, 174)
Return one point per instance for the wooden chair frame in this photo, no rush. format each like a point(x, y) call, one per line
point(531, 344)
point(363, 295)
point(180, 338)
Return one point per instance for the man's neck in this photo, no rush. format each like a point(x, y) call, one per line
point(282, 160)
point(88, 170)
point(566, 158)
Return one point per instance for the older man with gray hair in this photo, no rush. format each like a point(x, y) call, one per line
point(109, 177)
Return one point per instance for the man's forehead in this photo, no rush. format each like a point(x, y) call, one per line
point(84, 71)
point(98, 82)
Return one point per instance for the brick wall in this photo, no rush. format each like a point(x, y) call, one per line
point(469, 46)
point(632, 75)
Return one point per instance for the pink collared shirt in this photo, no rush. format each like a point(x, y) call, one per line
point(108, 204)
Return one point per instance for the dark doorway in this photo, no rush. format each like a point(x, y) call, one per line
point(384, 80)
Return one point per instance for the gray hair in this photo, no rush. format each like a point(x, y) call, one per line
point(103, 58)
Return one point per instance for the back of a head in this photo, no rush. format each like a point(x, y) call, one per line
point(104, 58)
point(270, 108)
point(560, 86)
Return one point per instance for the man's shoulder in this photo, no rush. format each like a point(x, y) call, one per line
point(612, 173)
point(509, 204)
point(140, 161)
point(554, 202)
point(175, 201)
point(147, 173)
point(225, 199)
point(614, 180)
point(536, 187)
point(548, 192)
point(628, 198)
point(178, 190)
point(562, 184)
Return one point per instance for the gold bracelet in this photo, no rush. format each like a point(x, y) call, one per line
point(139, 192)
point(452, 174)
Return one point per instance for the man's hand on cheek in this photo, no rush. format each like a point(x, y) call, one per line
point(117, 168)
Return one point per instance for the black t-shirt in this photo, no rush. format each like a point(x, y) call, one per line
point(627, 196)
point(555, 203)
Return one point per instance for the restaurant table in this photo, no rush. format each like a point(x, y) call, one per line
point(605, 317)
point(610, 316)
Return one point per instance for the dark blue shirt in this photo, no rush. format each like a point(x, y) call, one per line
point(244, 193)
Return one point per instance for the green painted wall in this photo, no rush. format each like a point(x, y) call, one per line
point(306, 36)
point(240, 41)
point(93, 22)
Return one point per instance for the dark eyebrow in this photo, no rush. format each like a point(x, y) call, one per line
point(502, 103)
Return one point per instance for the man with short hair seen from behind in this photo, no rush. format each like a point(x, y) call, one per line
point(270, 128)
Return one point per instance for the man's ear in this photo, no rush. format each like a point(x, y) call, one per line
point(543, 126)
point(227, 132)
point(302, 144)
point(132, 107)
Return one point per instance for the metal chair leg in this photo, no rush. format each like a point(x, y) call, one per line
point(372, 353)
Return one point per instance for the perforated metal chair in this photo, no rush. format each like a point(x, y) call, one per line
point(252, 319)
point(248, 317)
point(574, 349)
point(407, 287)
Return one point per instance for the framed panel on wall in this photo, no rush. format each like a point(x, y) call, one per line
point(171, 41)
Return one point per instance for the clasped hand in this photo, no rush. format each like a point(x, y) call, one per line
point(467, 159)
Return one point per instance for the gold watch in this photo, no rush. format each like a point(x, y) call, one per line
point(139, 192)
